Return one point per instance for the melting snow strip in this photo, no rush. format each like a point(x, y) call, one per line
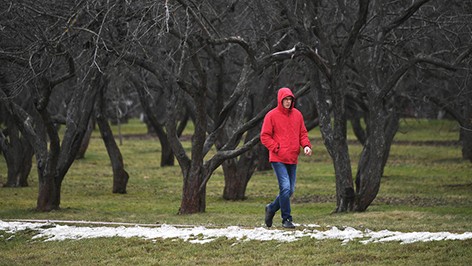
point(56, 230)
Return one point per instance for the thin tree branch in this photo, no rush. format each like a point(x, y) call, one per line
point(393, 80)
point(405, 16)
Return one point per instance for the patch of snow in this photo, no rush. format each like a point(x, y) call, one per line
point(57, 231)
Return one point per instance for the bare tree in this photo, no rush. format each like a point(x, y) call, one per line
point(218, 62)
point(361, 57)
point(450, 37)
point(196, 44)
point(45, 60)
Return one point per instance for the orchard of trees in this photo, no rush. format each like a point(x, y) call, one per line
point(79, 63)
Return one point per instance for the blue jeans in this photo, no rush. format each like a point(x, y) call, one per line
point(286, 176)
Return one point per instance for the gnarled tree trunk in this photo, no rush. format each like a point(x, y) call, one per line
point(370, 167)
point(237, 173)
point(193, 200)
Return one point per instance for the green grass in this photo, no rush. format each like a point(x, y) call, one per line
point(425, 188)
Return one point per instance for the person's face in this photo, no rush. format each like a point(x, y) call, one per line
point(287, 102)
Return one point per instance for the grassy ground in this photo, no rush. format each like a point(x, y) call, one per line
point(427, 187)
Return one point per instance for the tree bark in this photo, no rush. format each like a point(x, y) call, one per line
point(235, 184)
point(193, 200)
point(85, 142)
point(80, 109)
point(18, 155)
point(466, 132)
point(358, 129)
point(334, 135)
point(120, 176)
point(49, 180)
point(371, 164)
point(237, 173)
point(344, 185)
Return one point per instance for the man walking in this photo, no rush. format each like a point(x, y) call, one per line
point(283, 133)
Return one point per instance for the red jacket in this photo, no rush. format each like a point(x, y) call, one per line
point(284, 132)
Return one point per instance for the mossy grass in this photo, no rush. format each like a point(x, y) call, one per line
point(426, 187)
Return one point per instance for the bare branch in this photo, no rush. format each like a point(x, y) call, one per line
point(405, 16)
point(395, 77)
point(227, 151)
point(237, 40)
point(221, 156)
point(194, 15)
point(289, 52)
point(256, 119)
point(436, 62)
point(70, 73)
point(241, 89)
point(360, 22)
point(463, 56)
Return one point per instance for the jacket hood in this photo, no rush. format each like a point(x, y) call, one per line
point(284, 92)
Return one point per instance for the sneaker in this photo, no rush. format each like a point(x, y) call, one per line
point(269, 216)
point(288, 224)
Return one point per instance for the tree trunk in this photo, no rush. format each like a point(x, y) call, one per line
point(85, 141)
point(371, 164)
point(358, 130)
point(336, 140)
point(26, 164)
point(49, 181)
point(19, 171)
point(336, 144)
point(37, 127)
point(235, 185)
point(237, 175)
point(464, 117)
point(79, 111)
point(18, 154)
point(391, 129)
point(167, 155)
point(120, 176)
point(49, 194)
point(193, 199)
point(193, 193)
point(344, 186)
point(239, 170)
point(466, 132)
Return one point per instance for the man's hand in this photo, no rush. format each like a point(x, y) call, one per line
point(307, 151)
